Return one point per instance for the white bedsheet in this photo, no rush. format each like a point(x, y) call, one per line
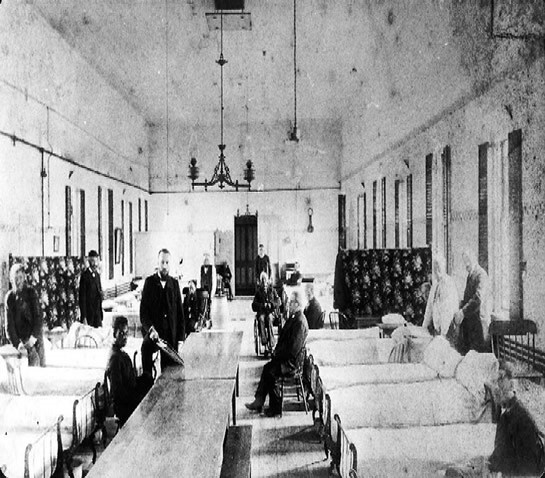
point(342, 334)
point(37, 413)
point(344, 376)
point(419, 451)
point(13, 444)
point(351, 352)
point(435, 402)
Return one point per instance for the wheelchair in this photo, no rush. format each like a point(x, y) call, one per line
point(203, 304)
point(267, 347)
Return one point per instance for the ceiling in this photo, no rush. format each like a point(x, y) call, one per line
point(146, 47)
point(369, 72)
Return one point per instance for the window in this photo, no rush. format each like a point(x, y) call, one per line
point(429, 204)
point(505, 223)
point(447, 206)
point(383, 207)
point(362, 221)
point(139, 215)
point(111, 245)
point(374, 214)
point(146, 215)
point(397, 185)
point(483, 206)
point(131, 258)
point(99, 209)
point(410, 211)
point(122, 249)
point(68, 219)
point(82, 223)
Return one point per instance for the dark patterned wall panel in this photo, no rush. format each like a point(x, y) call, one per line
point(382, 281)
point(56, 281)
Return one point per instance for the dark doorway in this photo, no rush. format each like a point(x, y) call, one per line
point(245, 254)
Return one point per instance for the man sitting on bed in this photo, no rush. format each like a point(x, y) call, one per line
point(127, 388)
point(291, 341)
point(518, 445)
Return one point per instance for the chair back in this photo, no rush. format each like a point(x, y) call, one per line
point(86, 341)
point(322, 320)
point(334, 319)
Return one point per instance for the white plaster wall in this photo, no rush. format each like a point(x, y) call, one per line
point(185, 224)
point(49, 96)
point(516, 102)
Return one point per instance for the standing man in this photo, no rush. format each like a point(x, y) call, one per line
point(291, 341)
point(474, 313)
point(24, 318)
point(262, 263)
point(90, 293)
point(208, 283)
point(161, 313)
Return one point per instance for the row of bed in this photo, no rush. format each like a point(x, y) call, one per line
point(47, 413)
point(382, 419)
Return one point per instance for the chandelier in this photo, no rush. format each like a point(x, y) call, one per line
point(222, 175)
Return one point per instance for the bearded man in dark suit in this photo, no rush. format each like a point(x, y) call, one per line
point(90, 293)
point(161, 313)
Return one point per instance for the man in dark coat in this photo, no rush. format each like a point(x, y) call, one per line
point(161, 313)
point(24, 318)
point(518, 446)
point(265, 302)
point(474, 314)
point(291, 341)
point(90, 293)
point(313, 311)
point(191, 309)
point(126, 388)
point(208, 283)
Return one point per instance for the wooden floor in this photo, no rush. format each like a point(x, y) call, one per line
point(281, 447)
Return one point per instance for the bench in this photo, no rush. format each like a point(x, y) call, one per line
point(237, 451)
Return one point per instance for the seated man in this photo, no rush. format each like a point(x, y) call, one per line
point(518, 446)
point(291, 341)
point(191, 309)
point(265, 302)
point(127, 389)
point(313, 310)
point(295, 278)
point(227, 280)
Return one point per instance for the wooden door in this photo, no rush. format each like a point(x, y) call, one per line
point(245, 254)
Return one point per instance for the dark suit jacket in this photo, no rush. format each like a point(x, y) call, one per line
point(475, 303)
point(518, 449)
point(150, 306)
point(262, 264)
point(292, 339)
point(313, 313)
point(90, 298)
point(24, 317)
point(206, 278)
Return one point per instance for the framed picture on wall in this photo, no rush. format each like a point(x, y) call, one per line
point(118, 245)
point(56, 243)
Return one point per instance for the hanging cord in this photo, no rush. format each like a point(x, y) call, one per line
point(166, 101)
point(221, 75)
point(295, 65)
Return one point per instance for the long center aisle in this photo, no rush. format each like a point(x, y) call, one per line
point(281, 447)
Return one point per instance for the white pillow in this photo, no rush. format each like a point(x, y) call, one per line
point(441, 357)
point(476, 369)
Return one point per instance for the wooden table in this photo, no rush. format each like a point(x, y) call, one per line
point(210, 356)
point(176, 431)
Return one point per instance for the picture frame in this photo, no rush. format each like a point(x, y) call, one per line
point(118, 233)
point(56, 243)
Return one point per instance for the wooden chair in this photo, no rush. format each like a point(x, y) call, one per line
point(515, 341)
point(295, 379)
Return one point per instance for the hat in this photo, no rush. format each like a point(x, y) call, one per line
point(92, 253)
